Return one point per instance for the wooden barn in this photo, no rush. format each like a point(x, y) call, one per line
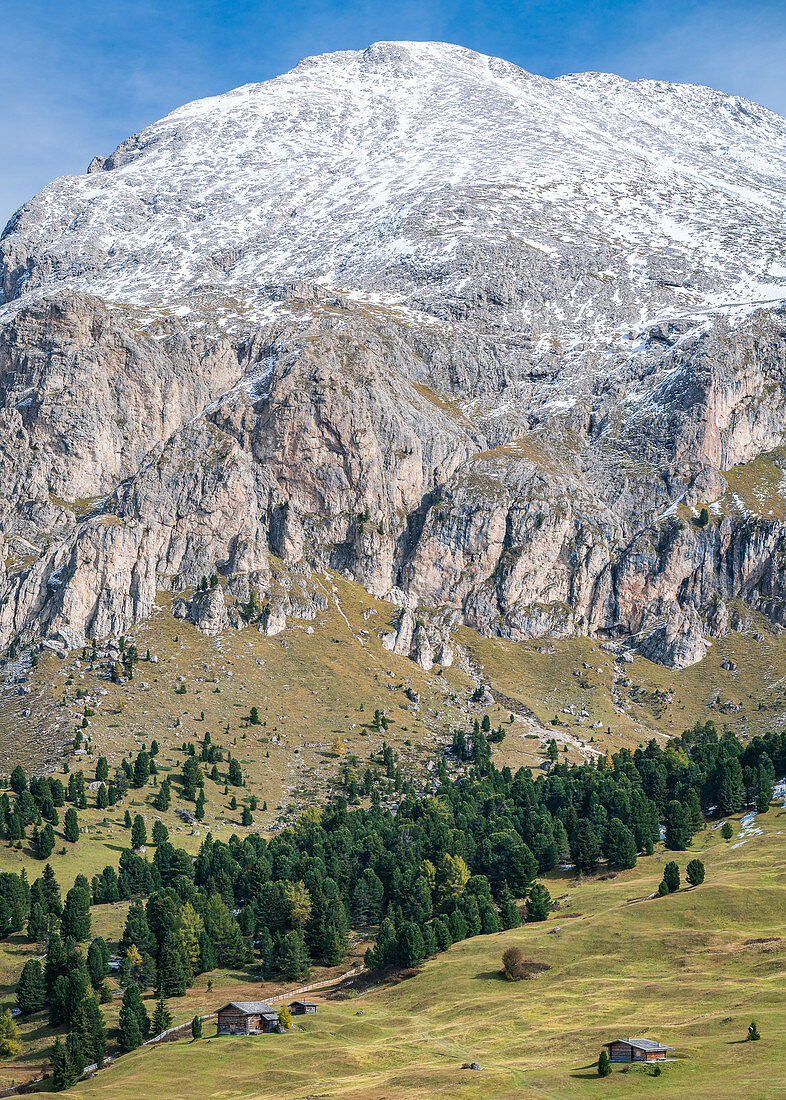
point(246, 1018)
point(302, 1008)
point(636, 1050)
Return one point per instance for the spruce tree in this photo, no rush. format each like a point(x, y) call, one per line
point(196, 1028)
point(75, 1053)
point(138, 832)
point(171, 975)
point(63, 1072)
point(162, 1018)
point(133, 1022)
point(677, 827)
point(71, 826)
point(671, 876)
point(76, 914)
point(538, 903)
point(695, 872)
point(604, 1064)
point(31, 991)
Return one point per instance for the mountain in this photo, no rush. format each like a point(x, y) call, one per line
point(508, 351)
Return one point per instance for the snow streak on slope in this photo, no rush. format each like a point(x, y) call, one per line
point(380, 170)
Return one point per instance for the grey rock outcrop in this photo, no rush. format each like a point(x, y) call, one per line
point(502, 401)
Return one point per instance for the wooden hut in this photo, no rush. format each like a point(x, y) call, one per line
point(636, 1050)
point(301, 1008)
point(246, 1018)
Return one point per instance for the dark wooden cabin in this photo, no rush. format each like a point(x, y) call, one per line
point(300, 1008)
point(636, 1050)
point(246, 1018)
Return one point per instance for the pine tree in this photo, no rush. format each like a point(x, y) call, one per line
point(587, 848)
point(138, 832)
point(196, 1028)
point(538, 903)
point(133, 1022)
point(671, 876)
point(96, 964)
point(63, 1072)
point(71, 826)
point(509, 913)
point(171, 975)
point(677, 828)
point(56, 962)
point(695, 872)
point(75, 1053)
point(162, 1018)
point(726, 830)
point(76, 914)
point(604, 1064)
point(31, 991)
point(44, 841)
point(89, 1025)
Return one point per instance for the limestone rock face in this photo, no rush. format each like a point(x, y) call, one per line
point(468, 342)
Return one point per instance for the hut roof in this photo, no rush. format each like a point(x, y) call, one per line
point(251, 1008)
point(640, 1044)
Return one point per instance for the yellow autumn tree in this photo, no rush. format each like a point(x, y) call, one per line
point(429, 872)
point(9, 1035)
point(452, 877)
point(134, 962)
point(338, 746)
point(298, 900)
point(190, 927)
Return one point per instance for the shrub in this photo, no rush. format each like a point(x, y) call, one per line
point(515, 967)
point(753, 1031)
point(726, 830)
point(285, 1017)
point(513, 964)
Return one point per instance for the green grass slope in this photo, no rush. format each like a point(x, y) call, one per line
point(691, 970)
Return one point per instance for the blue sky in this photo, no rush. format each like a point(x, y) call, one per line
point(78, 76)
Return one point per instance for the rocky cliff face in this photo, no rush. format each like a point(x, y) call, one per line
point(485, 342)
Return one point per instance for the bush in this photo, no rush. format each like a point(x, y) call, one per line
point(726, 830)
point(285, 1018)
point(753, 1031)
point(513, 964)
point(516, 968)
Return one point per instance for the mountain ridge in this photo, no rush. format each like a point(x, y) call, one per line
point(485, 342)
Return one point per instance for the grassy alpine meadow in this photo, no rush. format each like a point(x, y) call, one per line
point(691, 970)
